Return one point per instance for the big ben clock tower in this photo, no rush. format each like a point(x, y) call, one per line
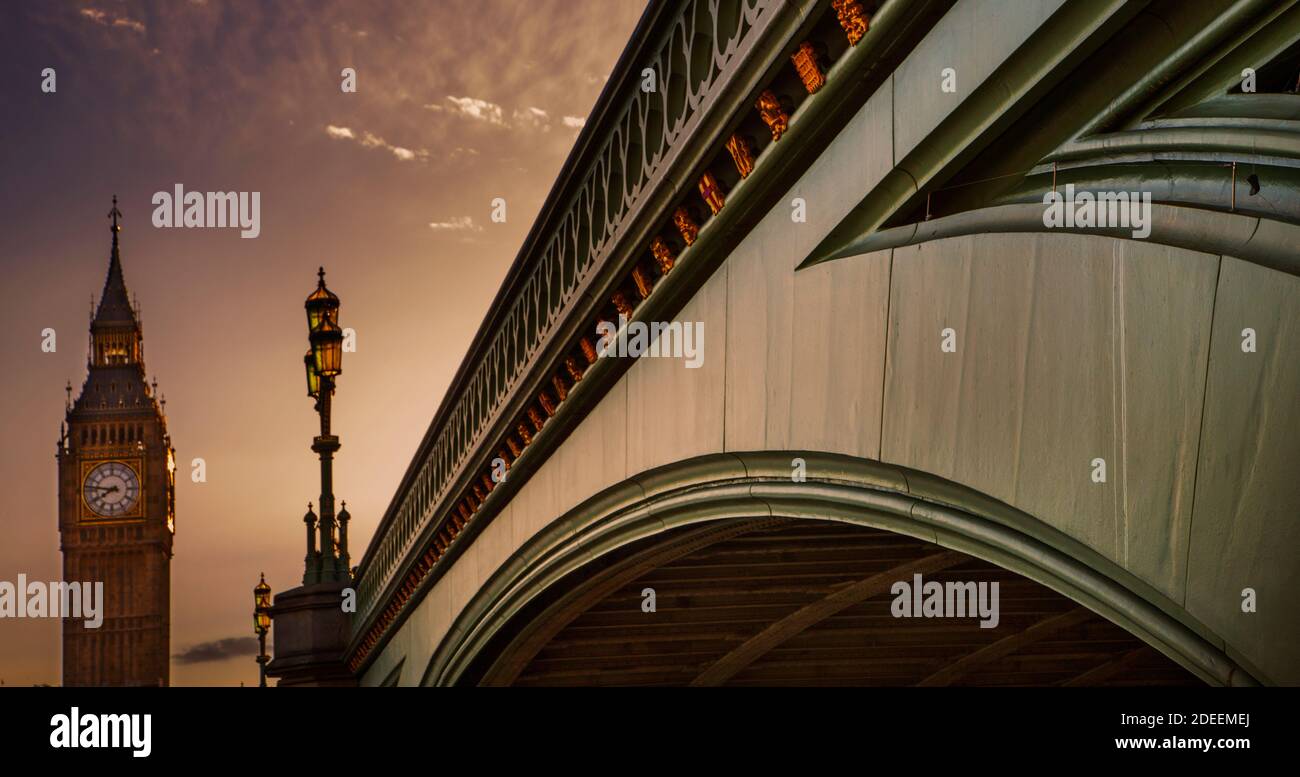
point(117, 501)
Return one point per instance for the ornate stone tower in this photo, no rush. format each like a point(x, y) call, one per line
point(117, 501)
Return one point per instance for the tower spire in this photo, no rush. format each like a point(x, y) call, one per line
point(115, 303)
point(115, 337)
point(115, 214)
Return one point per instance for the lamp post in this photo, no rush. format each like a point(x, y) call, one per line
point(261, 625)
point(312, 630)
point(324, 363)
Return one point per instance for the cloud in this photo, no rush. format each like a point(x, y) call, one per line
point(369, 139)
point(456, 224)
point(130, 23)
point(110, 20)
point(530, 118)
point(218, 650)
point(480, 110)
point(533, 117)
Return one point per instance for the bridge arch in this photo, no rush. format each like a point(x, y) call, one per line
point(668, 511)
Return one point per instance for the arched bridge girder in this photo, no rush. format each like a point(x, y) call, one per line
point(721, 495)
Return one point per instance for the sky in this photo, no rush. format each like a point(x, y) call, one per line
point(390, 187)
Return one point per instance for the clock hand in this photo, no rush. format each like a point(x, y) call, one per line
point(110, 489)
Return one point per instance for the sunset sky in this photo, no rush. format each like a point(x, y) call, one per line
point(390, 188)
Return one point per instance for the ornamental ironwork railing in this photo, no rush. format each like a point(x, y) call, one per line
point(622, 156)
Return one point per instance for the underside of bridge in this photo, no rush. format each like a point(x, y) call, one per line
point(803, 602)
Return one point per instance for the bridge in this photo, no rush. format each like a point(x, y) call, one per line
point(906, 370)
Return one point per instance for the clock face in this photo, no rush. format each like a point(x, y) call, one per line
point(112, 489)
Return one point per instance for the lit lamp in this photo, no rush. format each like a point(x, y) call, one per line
point(327, 350)
point(313, 377)
point(322, 304)
point(261, 625)
point(323, 363)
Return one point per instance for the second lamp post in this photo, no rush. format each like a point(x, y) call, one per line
point(261, 625)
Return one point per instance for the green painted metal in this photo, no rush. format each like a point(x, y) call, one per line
point(1184, 163)
point(1267, 37)
point(1139, 60)
point(1268, 111)
point(1203, 180)
point(1064, 40)
point(1177, 35)
point(1186, 22)
point(1247, 142)
point(730, 486)
point(1262, 241)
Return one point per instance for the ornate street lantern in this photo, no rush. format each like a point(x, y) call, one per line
point(327, 348)
point(322, 304)
point(262, 625)
point(262, 608)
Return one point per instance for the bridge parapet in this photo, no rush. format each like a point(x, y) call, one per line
point(663, 109)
